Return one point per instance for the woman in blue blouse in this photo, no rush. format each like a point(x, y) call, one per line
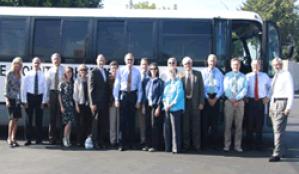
point(154, 119)
point(174, 102)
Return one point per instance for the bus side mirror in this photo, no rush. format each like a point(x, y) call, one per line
point(287, 51)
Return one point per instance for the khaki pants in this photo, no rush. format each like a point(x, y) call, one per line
point(279, 123)
point(233, 114)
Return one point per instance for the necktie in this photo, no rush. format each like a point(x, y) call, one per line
point(256, 87)
point(188, 85)
point(129, 80)
point(235, 85)
point(56, 80)
point(36, 83)
point(211, 82)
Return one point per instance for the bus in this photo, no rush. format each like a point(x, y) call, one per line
point(79, 34)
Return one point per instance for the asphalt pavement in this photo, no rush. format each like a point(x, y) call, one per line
point(44, 159)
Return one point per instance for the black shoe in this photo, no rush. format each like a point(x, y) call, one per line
point(274, 159)
point(38, 142)
point(120, 148)
point(27, 143)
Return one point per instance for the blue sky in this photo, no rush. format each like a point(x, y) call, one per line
point(182, 4)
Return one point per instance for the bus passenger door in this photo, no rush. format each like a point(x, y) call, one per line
point(222, 42)
point(271, 45)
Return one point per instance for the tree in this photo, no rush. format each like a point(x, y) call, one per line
point(53, 3)
point(282, 12)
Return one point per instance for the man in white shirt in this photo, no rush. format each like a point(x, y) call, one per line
point(282, 96)
point(34, 96)
point(257, 97)
point(54, 77)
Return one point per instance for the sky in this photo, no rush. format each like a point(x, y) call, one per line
point(229, 5)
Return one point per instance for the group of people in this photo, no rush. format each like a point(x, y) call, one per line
point(179, 108)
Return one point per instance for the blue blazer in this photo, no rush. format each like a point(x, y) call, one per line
point(157, 89)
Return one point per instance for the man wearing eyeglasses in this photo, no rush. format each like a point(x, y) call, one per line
point(128, 95)
point(99, 98)
point(213, 81)
point(194, 95)
point(282, 98)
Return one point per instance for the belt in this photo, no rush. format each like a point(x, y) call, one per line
point(128, 92)
point(280, 99)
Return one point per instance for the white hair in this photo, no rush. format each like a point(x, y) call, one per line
point(186, 60)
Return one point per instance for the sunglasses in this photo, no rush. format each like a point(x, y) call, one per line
point(83, 69)
point(154, 69)
point(171, 63)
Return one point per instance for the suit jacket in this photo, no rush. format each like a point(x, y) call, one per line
point(198, 87)
point(98, 88)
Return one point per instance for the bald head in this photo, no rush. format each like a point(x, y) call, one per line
point(36, 63)
point(56, 59)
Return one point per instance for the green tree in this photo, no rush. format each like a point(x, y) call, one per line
point(144, 5)
point(282, 12)
point(53, 3)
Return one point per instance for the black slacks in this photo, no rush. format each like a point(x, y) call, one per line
point(154, 128)
point(127, 118)
point(255, 120)
point(83, 123)
point(34, 108)
point(55, 124)
point(209, 123)
point(173, 131)
point(100, 125)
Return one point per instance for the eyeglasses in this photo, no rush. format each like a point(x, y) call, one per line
point(171, 63)
point(129, 59)
point(83, 69)
point(154, 69)
point(187, 63)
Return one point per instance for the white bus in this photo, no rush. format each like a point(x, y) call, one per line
point(80, 34)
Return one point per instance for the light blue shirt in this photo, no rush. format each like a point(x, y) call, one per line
point(264, 84)
point(121, 81)
point(235, 85)
point(174, 94)
point(213, 81)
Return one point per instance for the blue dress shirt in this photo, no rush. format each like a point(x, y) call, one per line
point(235, 85)
point(213, 82)
point(174, 94)
point(264, 84)
point(121, 81)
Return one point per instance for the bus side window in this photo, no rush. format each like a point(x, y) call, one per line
point(111, 39)
point(186, 38)
point(46, 38)
point(12, 37)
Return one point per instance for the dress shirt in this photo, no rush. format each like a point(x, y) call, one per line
point(121, 81)
point(213, 81)
point(103, 74)
point(28, 85)
point(283, 87)
point(235, 85)
point(174, 94)
point(264, 84)
point(187, 74)
point(50, 76)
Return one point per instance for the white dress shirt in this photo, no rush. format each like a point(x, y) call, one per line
point(282, 86)
point(28, 86)
point(264, 84)
point(50, 76)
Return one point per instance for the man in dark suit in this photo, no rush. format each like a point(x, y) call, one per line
point(194, 95)
point(99, 97)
